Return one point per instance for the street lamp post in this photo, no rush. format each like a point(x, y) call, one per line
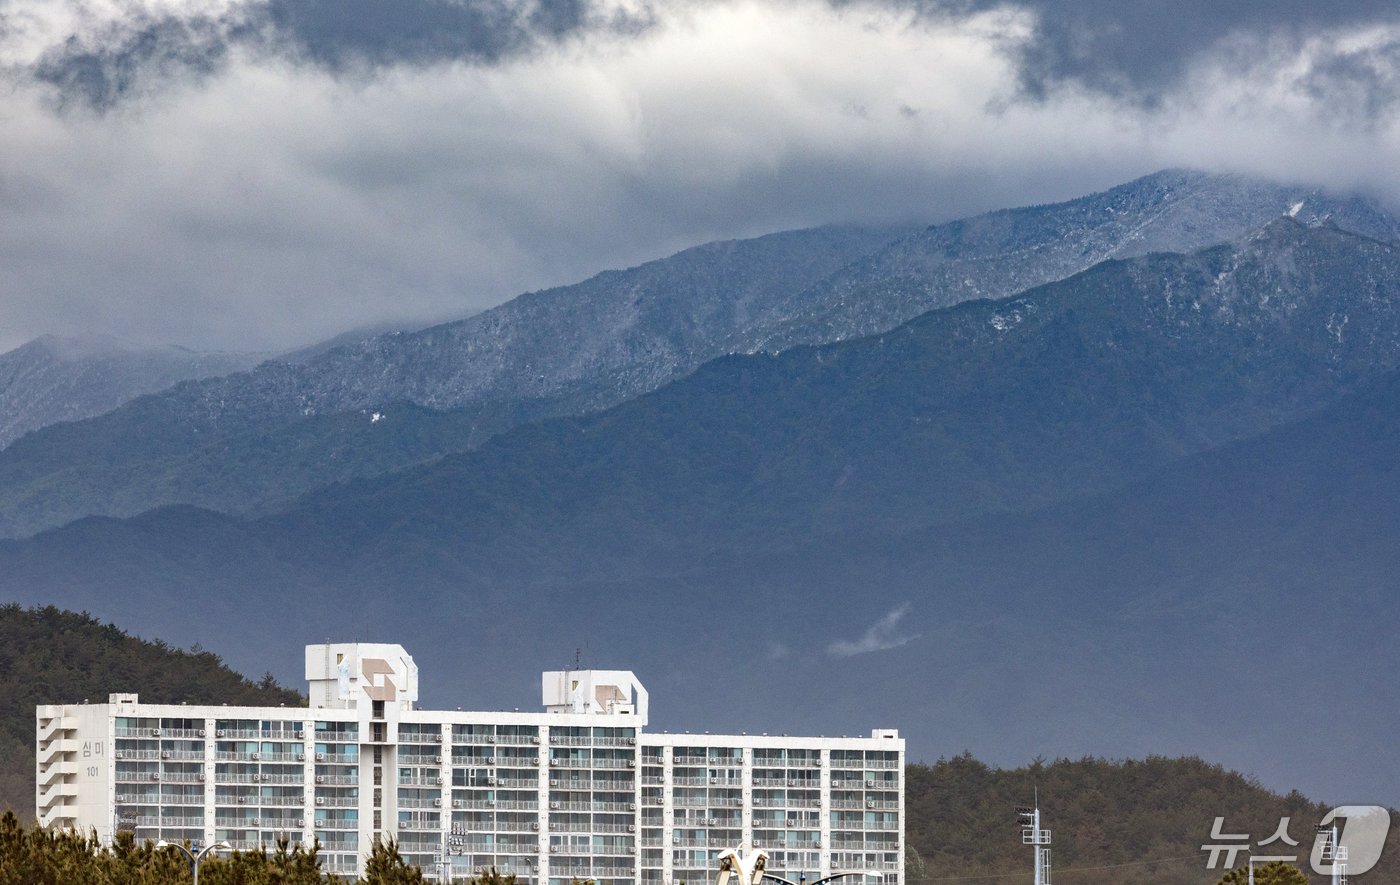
point(195, 858)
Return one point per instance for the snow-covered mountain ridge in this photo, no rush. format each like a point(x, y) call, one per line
point(603, 341)
point(54, 379)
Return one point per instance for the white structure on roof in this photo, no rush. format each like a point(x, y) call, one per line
point(578, 791)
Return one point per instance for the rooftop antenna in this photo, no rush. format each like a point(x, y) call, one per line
point(1033, 835)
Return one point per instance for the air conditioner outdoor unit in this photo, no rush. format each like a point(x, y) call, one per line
point(119, 754)
point(553, 762)
point(438, 781)
point(535, 825)
point(437, 738)
point(714, 780)
point(554, 782)
point(255, 756)
point(255, 822)
point(870, 805)
point(631, 763)
point(490, 739)
point(816, 845)
point(202, 732)
point(437, 759)
point(218, 733)
point(300, 734)
point(320, 779)
point(756, 843)
point(631, 806)
point(456, 803)
point(534, 739)
point(792, 783)
point(631, 828)
point(201, 777)
point(490, 782)
point(632, 741)
point(320, 757)
point(320, 800)
point(155, 775)
point(437, 803)
point(869, 783)
point(301, 821)
point(301, 757)
point(242, 800)
point(554, 806)
point(675, 840)
point(714, 821)
point(553, 849)
point(155, 732)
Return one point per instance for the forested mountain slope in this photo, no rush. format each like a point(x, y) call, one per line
point(51, 656)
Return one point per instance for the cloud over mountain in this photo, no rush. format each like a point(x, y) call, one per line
point(184, 170)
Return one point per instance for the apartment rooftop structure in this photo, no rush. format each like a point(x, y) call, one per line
point(579, 791)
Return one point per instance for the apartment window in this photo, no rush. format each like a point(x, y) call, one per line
point(378, 710)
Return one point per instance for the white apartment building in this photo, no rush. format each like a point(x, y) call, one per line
point(580, 790)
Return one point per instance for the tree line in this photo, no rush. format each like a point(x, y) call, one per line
point(36, 856)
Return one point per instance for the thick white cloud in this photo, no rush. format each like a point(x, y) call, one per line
point(270, 202)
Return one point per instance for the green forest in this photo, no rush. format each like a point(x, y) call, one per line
point(33, 856)
point(51, 656)
point(1114, 821)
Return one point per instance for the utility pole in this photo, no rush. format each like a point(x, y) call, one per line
point(1033, 835)
point(1334, 853)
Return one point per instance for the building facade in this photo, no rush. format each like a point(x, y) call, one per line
point(579, 791)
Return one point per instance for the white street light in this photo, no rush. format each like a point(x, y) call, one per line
point(195, 858)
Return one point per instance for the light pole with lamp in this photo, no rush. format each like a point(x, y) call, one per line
point(195, 858)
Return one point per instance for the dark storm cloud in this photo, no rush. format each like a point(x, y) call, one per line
point(337, 34)
point(1132, 50)
point(143, 51)
point(1140, 50)
point(1357, 85)
point(125, 56)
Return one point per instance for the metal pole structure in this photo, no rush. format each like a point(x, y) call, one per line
point(195, 859)
point(1035, 825)
point(1334, 853)
point(1338, 859)
point(1033, 835)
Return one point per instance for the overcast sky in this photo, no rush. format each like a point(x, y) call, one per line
point(255, 175)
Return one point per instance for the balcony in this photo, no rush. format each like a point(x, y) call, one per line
point(338, 737)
